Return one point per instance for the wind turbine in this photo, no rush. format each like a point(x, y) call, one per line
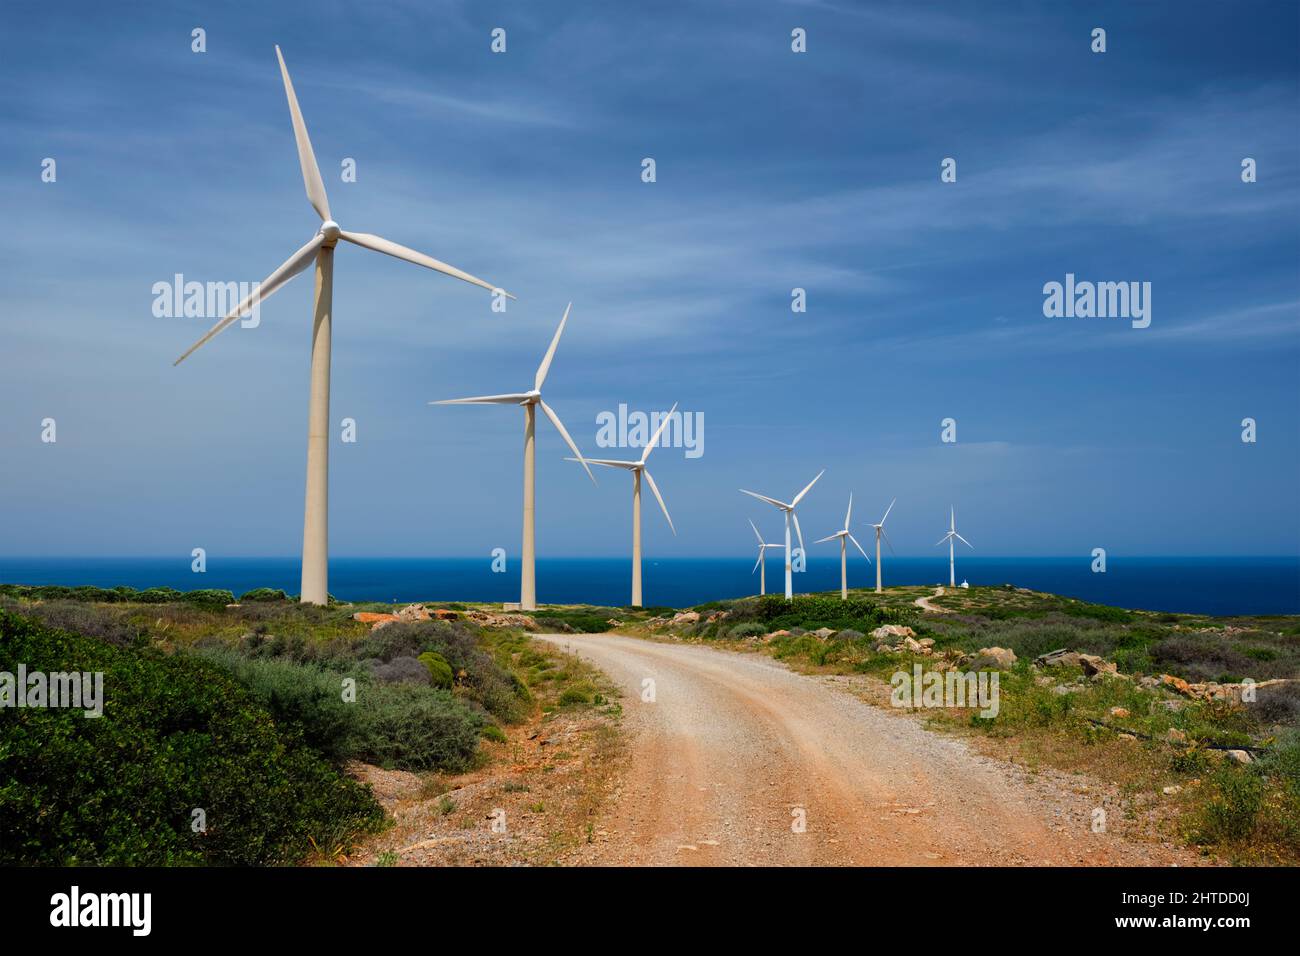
point(845, 536)
point(320, 249)
point(638, 469)
point(530, 401)
point(760, 565)
point(880, 531)
point(789, 514)
point(951, 537)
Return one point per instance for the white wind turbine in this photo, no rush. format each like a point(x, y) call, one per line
point(320, 250)
point(530, 400)
point(760, 565)
point(638, 469)
point(880, 532)
point(845, 536)
point(789, 514)
point(951, 537)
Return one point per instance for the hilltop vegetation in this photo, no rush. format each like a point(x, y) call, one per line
point(252, 713)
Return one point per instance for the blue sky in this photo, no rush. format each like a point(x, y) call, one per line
point(775, 170)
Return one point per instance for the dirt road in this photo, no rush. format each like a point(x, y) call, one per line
point(735, 752)
point(924, 602)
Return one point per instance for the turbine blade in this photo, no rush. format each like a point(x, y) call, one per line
point(799, 497)
point(564, 433)
point(608, 463)
point(397, 251)
point(798, 531)
point(296, 263)
point(963, 541)
point(756, 534)
point(887, 541)
point(550, 352)
point(306, 158)
point(887, 511)
point(512, 399)
point(770, 501)
point(829, 537)
point(941, 541)
point(658, 432)
point(859, 547)
point(659, 498)
point(758, 562)
point(848, 514)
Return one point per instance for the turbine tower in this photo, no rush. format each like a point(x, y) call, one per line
point(638, 469)
point(880, 532)
point(320, 250)
point(530, 401)
point(788, 509)
point(760, 565)
point(951, 537)
point(845, 536)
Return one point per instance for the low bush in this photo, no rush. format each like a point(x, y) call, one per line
point(439, 669)
point(401, 670)
point(815, 611)
point(263, 594)
point(400, 724)
point(178, 733)
point(407, 727)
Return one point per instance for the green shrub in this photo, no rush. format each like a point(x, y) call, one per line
point(301, 697)
point(577, 694)
point(486, 683)
point(401, 725)
point(158, 596)
point(208, 597)
point(439, 669)
point(408, 727)
point(813, 611)
point(263, 594)
point(1234, 809)
point(747, 629)
point(178, 733)
point(1097, 612)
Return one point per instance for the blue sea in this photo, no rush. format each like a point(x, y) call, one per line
point(1265, 585)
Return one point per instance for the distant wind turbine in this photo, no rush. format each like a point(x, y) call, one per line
point(788, 509)
point(530, 400)
point(760, 565)
point(638, 469)
point(880, 532)
point(951, 537)
point(845, 536)
point(315, 533)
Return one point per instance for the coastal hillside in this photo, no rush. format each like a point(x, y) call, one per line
point(382, 734)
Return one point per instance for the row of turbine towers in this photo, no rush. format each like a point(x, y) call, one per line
point(844, 536)
point(319, 250)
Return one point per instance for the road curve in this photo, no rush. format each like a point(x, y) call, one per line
point(735, 750)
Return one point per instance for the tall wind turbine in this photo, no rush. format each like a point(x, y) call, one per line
point(880, 532)
point(788, 509)
point(845, 536)
point(530, 401)
point(760, 565)
point(320, 250)
point(951, 537)
point(638, 469)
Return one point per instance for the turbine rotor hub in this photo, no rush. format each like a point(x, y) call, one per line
point(330, 230)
